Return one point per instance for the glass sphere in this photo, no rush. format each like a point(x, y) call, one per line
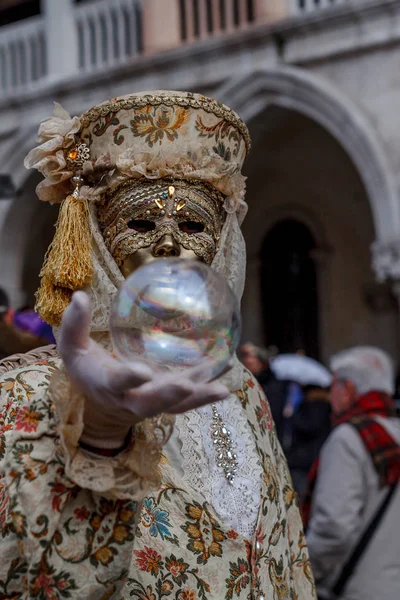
point(176, 314)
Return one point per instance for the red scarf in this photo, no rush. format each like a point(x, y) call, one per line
point(383, 449)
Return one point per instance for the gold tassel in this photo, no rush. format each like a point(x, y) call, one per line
point(51, 301)
point(68, 262)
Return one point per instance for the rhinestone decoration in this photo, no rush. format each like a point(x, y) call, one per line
point(78, 155)
point(224, 452)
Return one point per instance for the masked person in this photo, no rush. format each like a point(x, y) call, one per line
point(113, 485)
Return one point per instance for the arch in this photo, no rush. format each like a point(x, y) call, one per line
point(21, 141)
point(296, 89)
point(322, 255)
point(295, 212)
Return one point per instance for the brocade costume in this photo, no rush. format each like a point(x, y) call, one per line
point(160, 519)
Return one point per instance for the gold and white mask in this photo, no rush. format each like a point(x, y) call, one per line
point(137, 214)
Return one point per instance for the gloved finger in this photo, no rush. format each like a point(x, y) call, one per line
point(205, 371)
point(75, 325)
point(159, 395)
point(204, 394)
point(123, 377)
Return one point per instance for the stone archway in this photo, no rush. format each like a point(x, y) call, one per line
point(299, 171)
point(303, 92)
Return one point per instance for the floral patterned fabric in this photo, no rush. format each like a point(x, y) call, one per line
point(62, 541)
point(149, 134)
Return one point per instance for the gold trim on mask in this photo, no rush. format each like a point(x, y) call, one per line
point(169, 204)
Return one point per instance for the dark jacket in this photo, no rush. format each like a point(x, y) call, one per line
point(311, 426)
point(276, 392)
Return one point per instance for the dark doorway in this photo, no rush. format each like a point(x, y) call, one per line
point(289, 289)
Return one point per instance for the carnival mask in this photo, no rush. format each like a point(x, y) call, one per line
point(142, 220)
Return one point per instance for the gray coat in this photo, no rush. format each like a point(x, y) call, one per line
point(346, 497)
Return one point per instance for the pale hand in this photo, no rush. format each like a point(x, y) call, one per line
point(118, 395)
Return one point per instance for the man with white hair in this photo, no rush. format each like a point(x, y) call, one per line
point(354, 529)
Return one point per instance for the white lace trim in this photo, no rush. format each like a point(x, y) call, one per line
point(236, 504)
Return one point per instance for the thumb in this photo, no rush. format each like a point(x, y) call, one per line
point(75, 325)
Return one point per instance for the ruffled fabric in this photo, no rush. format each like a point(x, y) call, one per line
point(201, 166)
point(188, 163)
point(56, 134)
point(130, 475)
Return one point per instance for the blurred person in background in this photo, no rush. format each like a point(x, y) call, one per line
point(5, 311)
point(21, 331)
point(306, 412)
point(310, 426)
point(257, 361)
point(354, 528)
point(28, 321)
point(294, 399)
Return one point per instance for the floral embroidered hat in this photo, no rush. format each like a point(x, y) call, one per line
point(146, 136)
point(149, 135)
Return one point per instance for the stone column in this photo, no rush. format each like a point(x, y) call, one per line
point(386, 264)
point(61, 38)
point(383, 300)
point(268, 12)
point(322, 257)
point(386, 260)
point(161, 25)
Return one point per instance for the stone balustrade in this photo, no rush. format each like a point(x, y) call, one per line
point(70, 39)
point(23, 55)
point(109, 33)
point(203, 18)
point(298, 7)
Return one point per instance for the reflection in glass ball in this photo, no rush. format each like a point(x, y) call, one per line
point(175, 314)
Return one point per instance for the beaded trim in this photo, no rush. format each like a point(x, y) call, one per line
point(207, 104)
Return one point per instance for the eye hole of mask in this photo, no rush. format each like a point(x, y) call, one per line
point(141, 225)
point(191, 227)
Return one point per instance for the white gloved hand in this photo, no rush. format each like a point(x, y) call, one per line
point(118, 395)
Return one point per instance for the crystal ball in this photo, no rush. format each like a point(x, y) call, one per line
point(176, 314)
